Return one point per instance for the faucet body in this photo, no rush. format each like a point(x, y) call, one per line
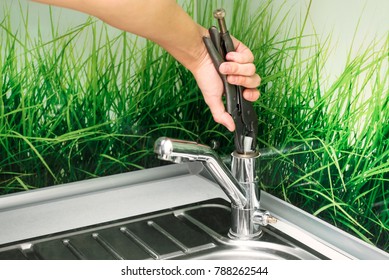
point(241, 186)
point(243, 170)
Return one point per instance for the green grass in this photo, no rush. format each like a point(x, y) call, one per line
point(70, 113)
point(335, 135)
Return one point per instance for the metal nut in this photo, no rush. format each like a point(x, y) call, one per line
point(219, 13)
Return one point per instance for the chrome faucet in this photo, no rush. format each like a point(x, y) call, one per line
point(240, 184)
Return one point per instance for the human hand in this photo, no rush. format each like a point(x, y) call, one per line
point(240, 70)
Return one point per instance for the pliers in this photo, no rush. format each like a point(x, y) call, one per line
point(241, 110)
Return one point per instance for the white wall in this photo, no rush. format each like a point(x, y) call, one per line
point(341, 18)
point(39, 12)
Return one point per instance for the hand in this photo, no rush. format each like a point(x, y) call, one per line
point(239, 69)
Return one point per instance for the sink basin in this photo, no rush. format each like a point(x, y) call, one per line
point(190, 232)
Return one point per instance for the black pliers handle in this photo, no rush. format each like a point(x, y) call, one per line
point(241, 110)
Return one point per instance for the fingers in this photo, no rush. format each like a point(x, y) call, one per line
point(225, 119)
point(240, 74)
point(242, 53)
point(251, 94)
point(241, 71)
point(211, 87)
point(219, 113)
point(248, 82)
point(244, 56)
point(229, 68)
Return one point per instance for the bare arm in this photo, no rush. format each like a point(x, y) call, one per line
point(165, 23)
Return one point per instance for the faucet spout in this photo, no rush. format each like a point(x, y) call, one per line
point(178, 151)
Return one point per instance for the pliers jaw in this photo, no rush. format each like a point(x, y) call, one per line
point(241, 110)
point(246, 128)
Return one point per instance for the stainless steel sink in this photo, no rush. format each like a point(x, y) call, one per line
point(191, 232)
point(171, 212)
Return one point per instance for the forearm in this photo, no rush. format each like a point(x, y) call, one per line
point(162, 21)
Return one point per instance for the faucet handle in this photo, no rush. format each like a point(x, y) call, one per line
point(163, 147)
point(178, 151)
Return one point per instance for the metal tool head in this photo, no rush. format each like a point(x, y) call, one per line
point(219, 13)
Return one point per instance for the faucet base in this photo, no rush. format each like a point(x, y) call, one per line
point(243, 226)
point(253, 236)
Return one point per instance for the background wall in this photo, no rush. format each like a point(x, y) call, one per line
point(354, 24)
point(79, 101)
